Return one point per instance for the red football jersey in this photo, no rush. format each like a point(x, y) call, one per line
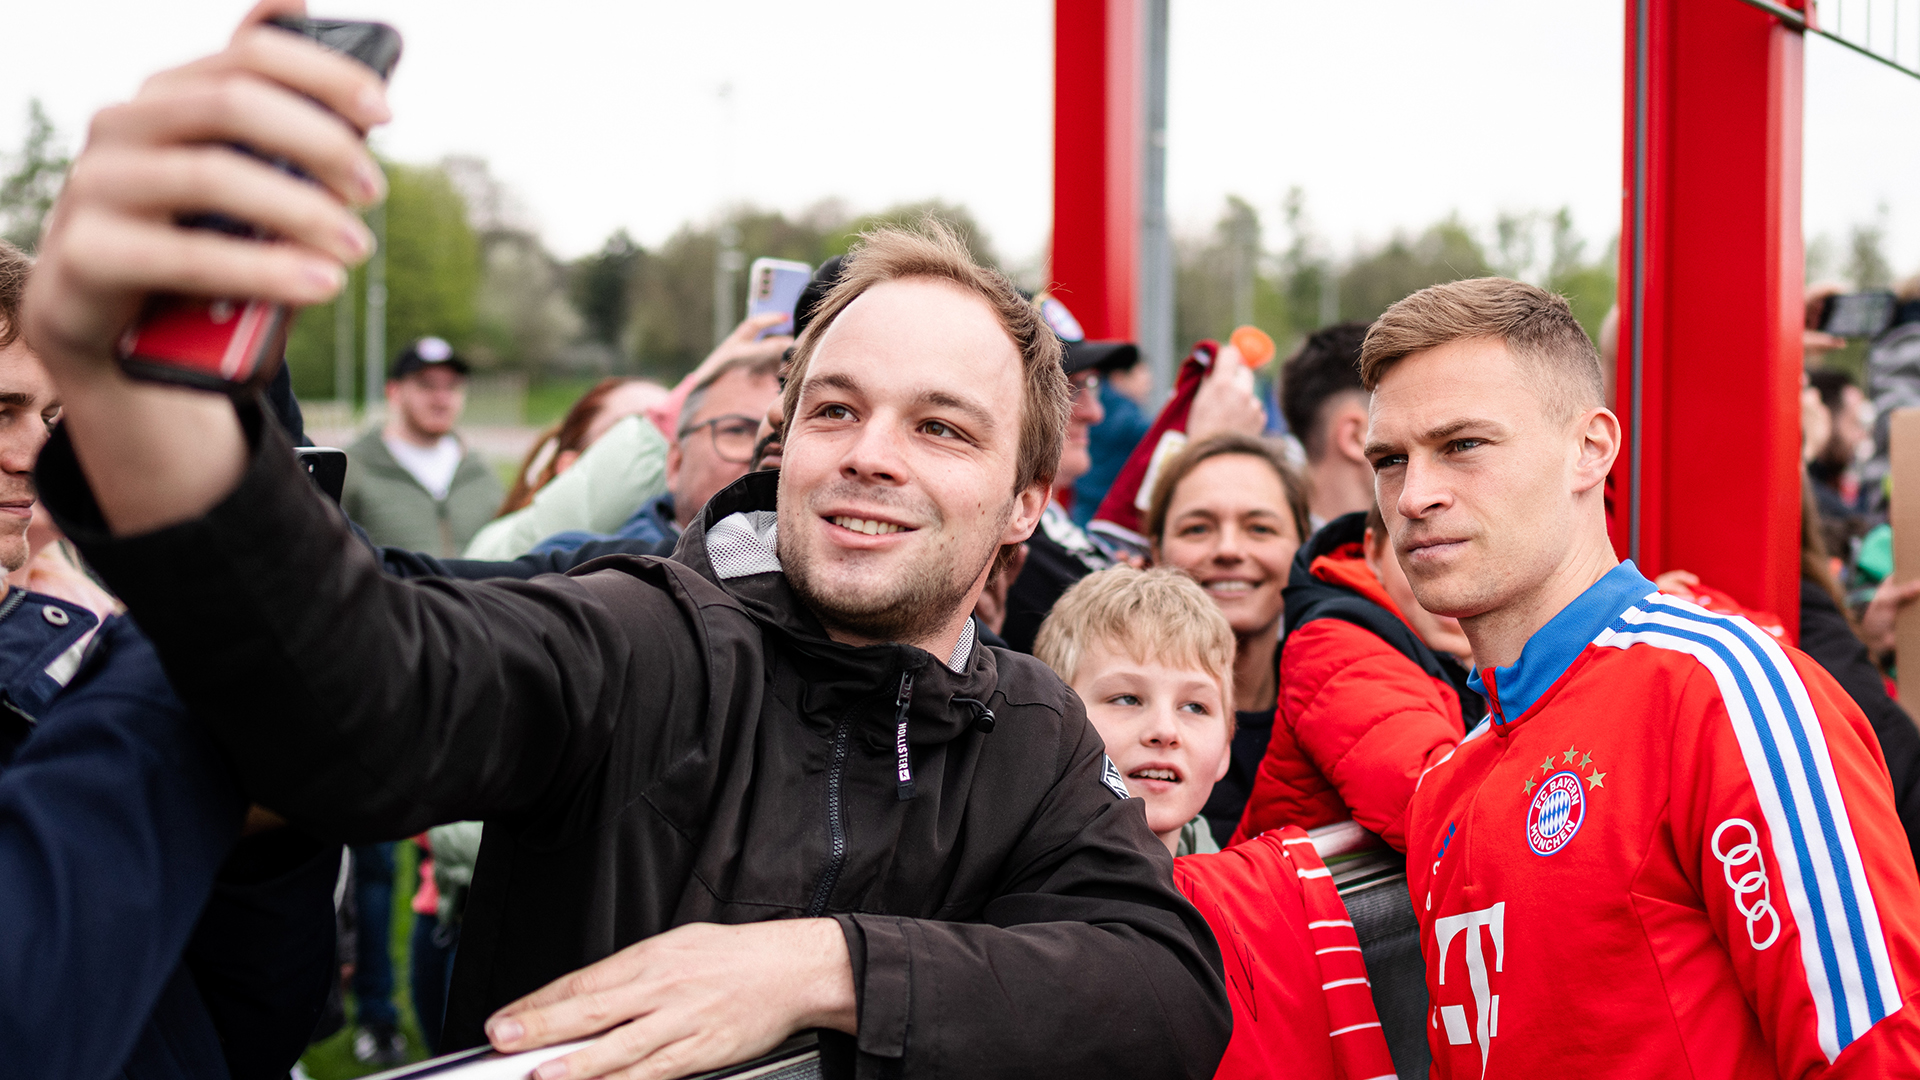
point(1671, 850)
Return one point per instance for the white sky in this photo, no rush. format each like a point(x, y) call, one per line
point(1389, 113)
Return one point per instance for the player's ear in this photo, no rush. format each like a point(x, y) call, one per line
point(1599, 433)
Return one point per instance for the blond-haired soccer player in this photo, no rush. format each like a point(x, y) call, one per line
point(1672, 848)
point(1152, 657)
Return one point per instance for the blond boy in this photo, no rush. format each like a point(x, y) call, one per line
point(1152, 658)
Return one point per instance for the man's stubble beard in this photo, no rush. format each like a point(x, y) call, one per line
point(14, 547)
point(13, 551)
point(920, 602)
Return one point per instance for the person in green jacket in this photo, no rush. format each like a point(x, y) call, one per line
point(413, 483)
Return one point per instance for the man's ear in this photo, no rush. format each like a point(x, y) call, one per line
point(673, 466)
point(1599, 433)
point(1373, 547)
point(1028, 505)
point(1348, 435)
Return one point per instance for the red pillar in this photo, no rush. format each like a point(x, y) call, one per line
point(1098, 99)
point(1713, 275)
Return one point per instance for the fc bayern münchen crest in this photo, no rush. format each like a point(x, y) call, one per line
point(1557, 811)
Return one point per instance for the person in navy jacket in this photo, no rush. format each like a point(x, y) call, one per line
point(139, 937)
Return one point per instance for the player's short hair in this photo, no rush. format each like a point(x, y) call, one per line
point(936, 252)
point(15, 266)
point(1326, 366)
point(1159, 616)
point(1537, 327)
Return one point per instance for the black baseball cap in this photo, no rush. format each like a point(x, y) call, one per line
point(824, 279)
point(425, 353)
point(1079, 354)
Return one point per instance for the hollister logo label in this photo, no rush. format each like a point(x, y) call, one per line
point(1556, 813)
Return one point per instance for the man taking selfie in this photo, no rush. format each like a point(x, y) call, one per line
point(771, 784)
point(1672, 847)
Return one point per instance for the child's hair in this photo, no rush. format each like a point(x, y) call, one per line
point(1160, 615)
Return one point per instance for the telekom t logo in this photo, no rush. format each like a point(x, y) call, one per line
point(1486, 1022)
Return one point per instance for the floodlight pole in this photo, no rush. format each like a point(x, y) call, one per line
point(1711, 286)
point(376, 348)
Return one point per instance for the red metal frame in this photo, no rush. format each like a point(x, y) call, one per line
point(1712, 265)
point(1099, 79)
point(1710, 283)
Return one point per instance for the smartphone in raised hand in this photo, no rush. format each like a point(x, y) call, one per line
point(1859, 315)
point(776, 285)
point(226, 343)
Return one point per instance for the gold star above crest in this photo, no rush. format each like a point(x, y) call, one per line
point(1586, 760)
point(1570, 755)
point(1547, 765)
point(1529, 785)
point(1596, 780)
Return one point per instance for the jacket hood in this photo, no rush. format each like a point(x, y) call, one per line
point(1346, 567)
point(861, 681)
point(1330, 580)
point(1329, 567)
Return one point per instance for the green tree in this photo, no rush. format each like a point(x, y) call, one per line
point(1867, 263)
point(28, 191)
point(602, 288)
point(1220, 282)
point(1446, 251)
point(433, 259)
point(433, 277)
point(1590, 287)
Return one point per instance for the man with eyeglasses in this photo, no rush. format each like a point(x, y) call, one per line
point(715, 440)
point(714, 445)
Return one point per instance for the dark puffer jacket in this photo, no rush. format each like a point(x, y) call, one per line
point(652, 745)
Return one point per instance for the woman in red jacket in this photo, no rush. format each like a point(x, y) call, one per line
point(1371, 689)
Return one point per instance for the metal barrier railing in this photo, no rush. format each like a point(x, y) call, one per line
point(1852, 26)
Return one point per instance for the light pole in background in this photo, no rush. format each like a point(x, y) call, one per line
point(376, 312)
point(343, 347)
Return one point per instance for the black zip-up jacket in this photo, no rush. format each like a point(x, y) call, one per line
point(651, 745)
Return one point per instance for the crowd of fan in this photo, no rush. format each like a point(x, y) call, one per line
point(1242, 636)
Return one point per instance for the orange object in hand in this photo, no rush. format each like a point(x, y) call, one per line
point(1253, 344)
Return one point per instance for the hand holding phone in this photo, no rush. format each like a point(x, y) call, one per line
point(775, 285)
point(1858, 314)
point(225, 343)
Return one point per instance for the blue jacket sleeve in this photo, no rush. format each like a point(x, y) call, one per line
point(115, 815)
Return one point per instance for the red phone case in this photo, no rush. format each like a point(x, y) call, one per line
point(224, 344)
point(211, 344)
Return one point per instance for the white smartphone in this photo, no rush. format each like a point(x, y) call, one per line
point(775, 285)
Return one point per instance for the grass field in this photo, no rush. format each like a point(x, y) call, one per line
point(549, 399)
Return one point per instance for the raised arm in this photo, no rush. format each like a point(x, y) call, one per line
point(154, 454)
point(356, 704)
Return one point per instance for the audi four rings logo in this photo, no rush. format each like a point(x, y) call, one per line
point(1749, 883)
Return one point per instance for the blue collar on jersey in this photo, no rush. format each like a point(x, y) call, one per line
point(1554, 647)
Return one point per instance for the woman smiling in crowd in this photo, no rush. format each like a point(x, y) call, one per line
point(1231, 513)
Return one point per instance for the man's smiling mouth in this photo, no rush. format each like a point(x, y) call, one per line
point(868, 526)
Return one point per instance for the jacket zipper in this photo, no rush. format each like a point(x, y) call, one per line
point(14, 599)
point(836, 824)
point(903, 758)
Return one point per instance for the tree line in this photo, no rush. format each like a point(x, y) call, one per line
point(465, 262)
